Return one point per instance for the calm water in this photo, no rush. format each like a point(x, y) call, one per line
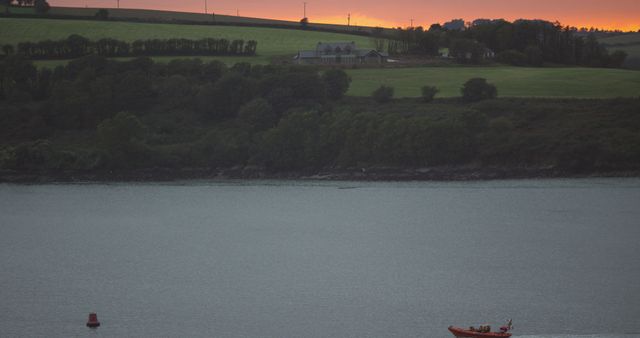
point(341, 259)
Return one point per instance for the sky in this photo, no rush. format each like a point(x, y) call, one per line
point(605, 14)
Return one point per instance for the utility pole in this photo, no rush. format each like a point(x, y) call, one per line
point(349, 20)
point(305, 10)
point(411, 23)
point(205, 7)
point(118, 3)
point(237, 12)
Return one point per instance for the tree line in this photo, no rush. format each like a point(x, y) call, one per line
point(522, 42)
point(82, 93)
point(76, 46)
point(40, 6)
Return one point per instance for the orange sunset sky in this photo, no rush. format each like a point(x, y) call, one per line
point(608, 14)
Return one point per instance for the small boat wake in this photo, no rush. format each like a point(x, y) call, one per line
point(600, 335)
point(484, 331)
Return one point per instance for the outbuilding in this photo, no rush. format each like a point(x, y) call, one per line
point(345, 53)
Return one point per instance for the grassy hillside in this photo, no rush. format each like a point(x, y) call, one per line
point(149, 15)
point(511, 81)
point(629, 43)
point(632, 50)
point(170, 16)
point(624, 39)
point(271, 41)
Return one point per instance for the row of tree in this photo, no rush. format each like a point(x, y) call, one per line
point(92, 88)
point(76, 46)
point(474, 90)
point(522, 42)
point(40, 6)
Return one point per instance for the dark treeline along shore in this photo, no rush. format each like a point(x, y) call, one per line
point(95, 116)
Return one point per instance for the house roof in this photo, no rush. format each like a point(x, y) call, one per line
point(333, 45)
point(365, 52)
point(305, 54)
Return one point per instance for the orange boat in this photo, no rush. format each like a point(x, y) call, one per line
point(484, 331)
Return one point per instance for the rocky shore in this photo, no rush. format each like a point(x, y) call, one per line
point(255, 173)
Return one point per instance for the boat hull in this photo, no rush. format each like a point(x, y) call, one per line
point(462, 333)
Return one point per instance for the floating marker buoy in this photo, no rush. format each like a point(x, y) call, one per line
point(93, 320)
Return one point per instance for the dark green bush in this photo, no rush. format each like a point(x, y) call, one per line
point(429, 93)
point(535, 57)
point(102, 14)
point(512, 57)
point(257, 115)
point(383, 94)
point(478, 89)
point(337, 82)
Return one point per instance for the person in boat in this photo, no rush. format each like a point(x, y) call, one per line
point(507, 328)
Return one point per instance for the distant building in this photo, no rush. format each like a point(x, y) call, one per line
point(489, 54)
point(340, 53)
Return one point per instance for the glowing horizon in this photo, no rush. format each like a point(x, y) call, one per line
point(622, 15)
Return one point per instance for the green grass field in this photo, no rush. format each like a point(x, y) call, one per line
point(271, 41)
point(511, 81)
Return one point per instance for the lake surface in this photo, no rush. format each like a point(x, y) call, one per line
point(321, 259)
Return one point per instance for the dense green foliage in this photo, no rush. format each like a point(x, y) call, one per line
point(97, 114)
point(75, 46)
point(540, 42)
point(513, 57)
point(429, 93)
point(337, 83)
point(120, 138)
point(383, 94)
point(478, 89)
point(467, 50)
point(102, 14)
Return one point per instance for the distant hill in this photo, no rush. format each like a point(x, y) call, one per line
point(194, 18)
point(272, 42)
point(275, 37)
point(623, 39)
point(630, 43)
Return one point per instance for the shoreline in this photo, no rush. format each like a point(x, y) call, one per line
point(436, 174)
